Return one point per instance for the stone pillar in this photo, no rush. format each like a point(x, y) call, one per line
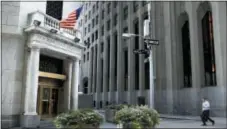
point(141, 60)
point(219, 29)
point(131, 58)
point(75, 84)
point(112, 60)
point(169, 59)
point(112, 68)
point(30, 117)
point(67, 88)
point(195, 53)
point(90, 72)
point(94, 72)
point(105, 71)
point(120, 71)
point(98, 77)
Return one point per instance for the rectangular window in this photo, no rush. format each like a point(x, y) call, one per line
point(126, 62)
point(103, 13)
point(84, 58)
point(92, 38)
point(88, 56)
point(102, 47)
point(54, 9)
point(93, 23)
point(85, 31)
point(97, 5)
point(102, 86)
point(115, 20)
point(85, 18)
point(102, 30)
point(108, 25)
point(88, 41)
point(147, 76)
point(115, 4)
point(108, 7)
point(97, 19)
point(125, 13)
point(93, 9)
point(96, 35)
point(89, 27)
point(135, 5)
point(108, 63)
point(89, 14)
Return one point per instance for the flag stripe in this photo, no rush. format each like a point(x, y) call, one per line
point(70, 21)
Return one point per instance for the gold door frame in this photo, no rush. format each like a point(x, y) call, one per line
point(40, 99)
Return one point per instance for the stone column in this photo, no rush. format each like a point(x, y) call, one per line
point(141, 59)
point(30, 117)
point(195, 54)
point(219, 29)
point(120, 64)
point(131, 58)
point(112, 59)
point(112, 68)
point(94, 72)
point(98, 77)
point(105, 71)
point(169, 59)
point(75, 84)
point(90, 72)
point(68, 85)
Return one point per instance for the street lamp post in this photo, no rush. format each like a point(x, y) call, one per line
point(149, 43)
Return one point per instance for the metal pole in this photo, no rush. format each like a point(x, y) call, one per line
point(151, 61)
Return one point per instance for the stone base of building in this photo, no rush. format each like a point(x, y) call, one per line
point(29, 121)
point(9, 121)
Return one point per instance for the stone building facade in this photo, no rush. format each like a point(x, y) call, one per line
point(40, 62)
point(189, 63)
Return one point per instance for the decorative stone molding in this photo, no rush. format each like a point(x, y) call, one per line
point(43, 39)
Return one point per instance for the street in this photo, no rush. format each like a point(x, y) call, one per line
point(170, 123)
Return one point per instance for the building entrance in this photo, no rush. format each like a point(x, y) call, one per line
point(48, 101)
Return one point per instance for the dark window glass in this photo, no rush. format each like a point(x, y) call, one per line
point(54, 9)
point(125, 14)
point(108, 7)
point(186, 55)
point(96, 34)
point(102, 30)
point(147, 76)
point(88, 56)
point(208, 50)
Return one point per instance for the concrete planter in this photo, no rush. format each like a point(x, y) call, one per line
point(109, 115)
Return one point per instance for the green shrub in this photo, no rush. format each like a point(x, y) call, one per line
point(138, 117)
point(78, 119)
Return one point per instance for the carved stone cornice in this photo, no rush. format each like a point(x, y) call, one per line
point(40, 37)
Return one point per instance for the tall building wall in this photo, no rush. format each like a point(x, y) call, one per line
point(172, 96)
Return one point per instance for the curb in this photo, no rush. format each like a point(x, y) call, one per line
point(180, 118)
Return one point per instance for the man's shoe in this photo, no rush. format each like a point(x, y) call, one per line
point(213, 123)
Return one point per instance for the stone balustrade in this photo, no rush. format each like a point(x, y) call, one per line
point(47, 22)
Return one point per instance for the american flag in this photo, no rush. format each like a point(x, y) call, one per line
point(70, 21)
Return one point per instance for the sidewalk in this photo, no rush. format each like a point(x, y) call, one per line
point(220, 120)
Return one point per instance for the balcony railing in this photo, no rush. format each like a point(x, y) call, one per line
point(47, 21)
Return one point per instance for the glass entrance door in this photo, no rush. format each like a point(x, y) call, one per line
point(48, 101)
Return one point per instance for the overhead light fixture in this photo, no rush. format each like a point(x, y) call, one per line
point(36, 23)
point(76, 39)
point(53, 31)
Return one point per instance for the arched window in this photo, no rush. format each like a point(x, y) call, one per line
point(208, 50)
point(186, 54)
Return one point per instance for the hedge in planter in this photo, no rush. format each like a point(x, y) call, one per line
point(111, 111)
point(84, 118)
point(137, 117)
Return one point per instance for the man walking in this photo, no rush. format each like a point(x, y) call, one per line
point(206, 112)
